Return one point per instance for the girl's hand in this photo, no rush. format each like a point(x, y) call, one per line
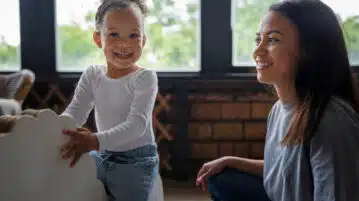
point(208, 169)
point(81, 141)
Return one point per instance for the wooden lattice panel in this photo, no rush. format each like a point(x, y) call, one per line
point(163, 131)
point(53, 92)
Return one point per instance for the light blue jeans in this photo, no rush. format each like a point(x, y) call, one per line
point(127, 175)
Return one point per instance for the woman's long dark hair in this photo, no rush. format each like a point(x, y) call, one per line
point(323, 70)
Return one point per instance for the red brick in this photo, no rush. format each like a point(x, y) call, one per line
point(242, 149)
point(228, 131)
point(255, 131)
point(243, 98)
point(257, 150)
point(196, 97)
point(199, 131)
point(260, 110)
point(236, 110)
point(210, 97)
point(204, 151)
point(264, 96)
point(219, 97)
point(226, 149)
point(206, 111)
point(257, 97)
point(192, 131)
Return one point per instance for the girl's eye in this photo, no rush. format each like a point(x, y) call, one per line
point(257, 40)
point(114, 34)
point(134, 35)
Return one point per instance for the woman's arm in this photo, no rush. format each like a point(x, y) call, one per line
point(251, 166)
point(334, 156)
point(213, 167)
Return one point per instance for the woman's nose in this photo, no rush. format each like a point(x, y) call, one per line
point(260, 50)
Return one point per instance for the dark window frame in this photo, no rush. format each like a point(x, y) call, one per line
point(38, 43)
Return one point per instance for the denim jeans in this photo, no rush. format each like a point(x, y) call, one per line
point(127, 175)
point(234, 185)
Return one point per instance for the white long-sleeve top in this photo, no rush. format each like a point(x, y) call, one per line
point(123, 107)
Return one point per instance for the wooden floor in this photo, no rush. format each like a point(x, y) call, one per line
point(185, 195)
point(183, 191)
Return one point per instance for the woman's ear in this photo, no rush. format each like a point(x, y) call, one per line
point(97, 39)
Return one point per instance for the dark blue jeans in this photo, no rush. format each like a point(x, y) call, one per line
point(234, 185)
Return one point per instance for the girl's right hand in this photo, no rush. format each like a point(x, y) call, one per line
point(208, 169)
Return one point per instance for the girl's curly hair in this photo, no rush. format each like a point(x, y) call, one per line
point(109, 5)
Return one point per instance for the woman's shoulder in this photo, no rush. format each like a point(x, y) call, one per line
point(339, 112)
point(339, 120)
point(278, 109)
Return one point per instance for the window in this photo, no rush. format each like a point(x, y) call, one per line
point(9, 36)
point(349, 16)
point(247, 14)
point(75, 48)
point(171, 29)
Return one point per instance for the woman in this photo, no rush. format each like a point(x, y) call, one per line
point(312, 142)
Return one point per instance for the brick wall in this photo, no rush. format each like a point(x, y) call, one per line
point(225, 124)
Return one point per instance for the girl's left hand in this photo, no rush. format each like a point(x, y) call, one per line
point(81, 141)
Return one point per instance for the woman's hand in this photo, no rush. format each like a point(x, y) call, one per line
point(208, 169)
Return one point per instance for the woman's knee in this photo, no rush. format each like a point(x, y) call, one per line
point(232, 184)
point(223, 176)
point(220, 181)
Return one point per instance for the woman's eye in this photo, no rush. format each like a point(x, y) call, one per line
point(273, 40)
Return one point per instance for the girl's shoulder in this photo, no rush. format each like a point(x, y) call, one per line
point(144, 76)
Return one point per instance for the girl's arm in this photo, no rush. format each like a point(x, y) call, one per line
point(82, 101)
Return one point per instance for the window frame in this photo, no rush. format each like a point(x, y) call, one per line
point(215, 34)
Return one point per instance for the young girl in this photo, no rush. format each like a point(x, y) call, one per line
point(312, 142)
point(123, 96)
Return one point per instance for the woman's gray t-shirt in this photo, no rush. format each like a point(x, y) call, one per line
point(333, 154)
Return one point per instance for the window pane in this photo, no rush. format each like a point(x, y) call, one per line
point(247, 15)
point(348, 12)
point(245, 21)
point(9, 36)
point(171, 29)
